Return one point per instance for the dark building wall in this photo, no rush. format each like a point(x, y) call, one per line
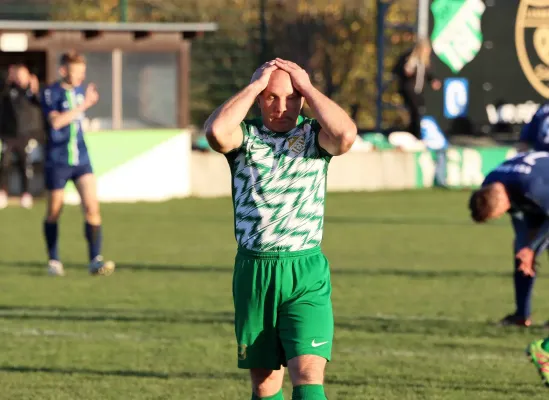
point(32, 10)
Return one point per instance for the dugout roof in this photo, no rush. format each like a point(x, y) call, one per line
point(53, 38)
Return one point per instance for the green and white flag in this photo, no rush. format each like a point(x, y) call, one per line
point(457, 33)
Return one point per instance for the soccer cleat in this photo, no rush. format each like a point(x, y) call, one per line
point(26, 201)
point(55, 268)
point(515, 320)
point(540, 359)
point(100, 267)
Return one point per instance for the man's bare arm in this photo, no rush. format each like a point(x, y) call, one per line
point(338, 131)
point(59, 120)
point(223, 126)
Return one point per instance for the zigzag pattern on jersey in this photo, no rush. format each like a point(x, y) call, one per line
point(279, 198)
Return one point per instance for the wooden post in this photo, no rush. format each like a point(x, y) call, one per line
point(183, 84)
point(117, 89)
point(51, 65)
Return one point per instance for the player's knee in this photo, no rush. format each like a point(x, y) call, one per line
point(92, 214)
point(266, 382)
point(307, 370)
point(53, 216)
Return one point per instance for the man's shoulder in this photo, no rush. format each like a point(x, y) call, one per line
point(54, 86)
point(255, 122)
point(309, 125)
point(307, 121)
point(53, 89)
point(542, 112)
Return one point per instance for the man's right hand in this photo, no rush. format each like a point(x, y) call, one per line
point(262, 75)
point(92, 96)
point(34, 84)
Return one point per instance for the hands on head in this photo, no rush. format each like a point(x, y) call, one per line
point(300, 77)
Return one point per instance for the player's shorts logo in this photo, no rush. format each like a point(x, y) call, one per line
point(242, 351)
point(532, 43)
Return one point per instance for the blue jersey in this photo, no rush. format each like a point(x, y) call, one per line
point(64, 146)
point(536, 132)
point(526, 178)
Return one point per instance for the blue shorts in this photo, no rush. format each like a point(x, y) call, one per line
point(56, 177)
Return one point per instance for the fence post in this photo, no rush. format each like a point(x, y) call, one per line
point(380, 35)
point(123, 10)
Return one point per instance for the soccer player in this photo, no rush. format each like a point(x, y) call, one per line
point(535, 134)
point(66, 158)
point(520, 187)
point(281, 283)
point(21, 123)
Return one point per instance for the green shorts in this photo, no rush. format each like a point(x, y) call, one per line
point(283, 307)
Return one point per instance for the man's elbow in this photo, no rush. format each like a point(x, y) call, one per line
point(216, 141)
point(347, 140)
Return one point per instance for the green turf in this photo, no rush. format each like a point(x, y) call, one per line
point(417, 288)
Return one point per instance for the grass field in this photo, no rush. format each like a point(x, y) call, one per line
point(417, 289)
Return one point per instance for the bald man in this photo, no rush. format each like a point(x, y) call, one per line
point(281, 282)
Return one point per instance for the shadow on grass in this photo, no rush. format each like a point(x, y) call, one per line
point(368, 379)
point(124, 266)
point(123, 373)
point(422, 221)
point(377, 324)
point(45, 313)
point(366, 272)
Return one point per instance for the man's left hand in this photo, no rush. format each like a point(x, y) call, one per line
point(300, 77)
point(34, 84)
point(526, 258)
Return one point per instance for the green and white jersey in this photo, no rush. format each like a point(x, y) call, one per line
point(279, 187)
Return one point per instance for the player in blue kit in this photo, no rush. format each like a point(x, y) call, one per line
point(66, 158)
point(535, 134)
point(520, 187)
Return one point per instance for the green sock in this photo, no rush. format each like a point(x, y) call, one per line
point(278, 396)
point(545, 344)
point(309, 392)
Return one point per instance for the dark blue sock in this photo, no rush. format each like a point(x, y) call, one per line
point(50, 233)
point(95, 238)
point(523, 292)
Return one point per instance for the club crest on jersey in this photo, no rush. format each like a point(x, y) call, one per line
point(296, 144)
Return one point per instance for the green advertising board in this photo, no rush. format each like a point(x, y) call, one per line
point(464, 167)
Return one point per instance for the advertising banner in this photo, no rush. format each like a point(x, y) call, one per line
point(130, 166)
point(499, 52)
point(463, 167)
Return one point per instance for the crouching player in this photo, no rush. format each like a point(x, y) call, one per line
point(520, 186)
point(66, 158)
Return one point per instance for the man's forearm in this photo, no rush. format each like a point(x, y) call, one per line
point(540, 241)
point(335, 122)
point(63, 119)
point(227, 117)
